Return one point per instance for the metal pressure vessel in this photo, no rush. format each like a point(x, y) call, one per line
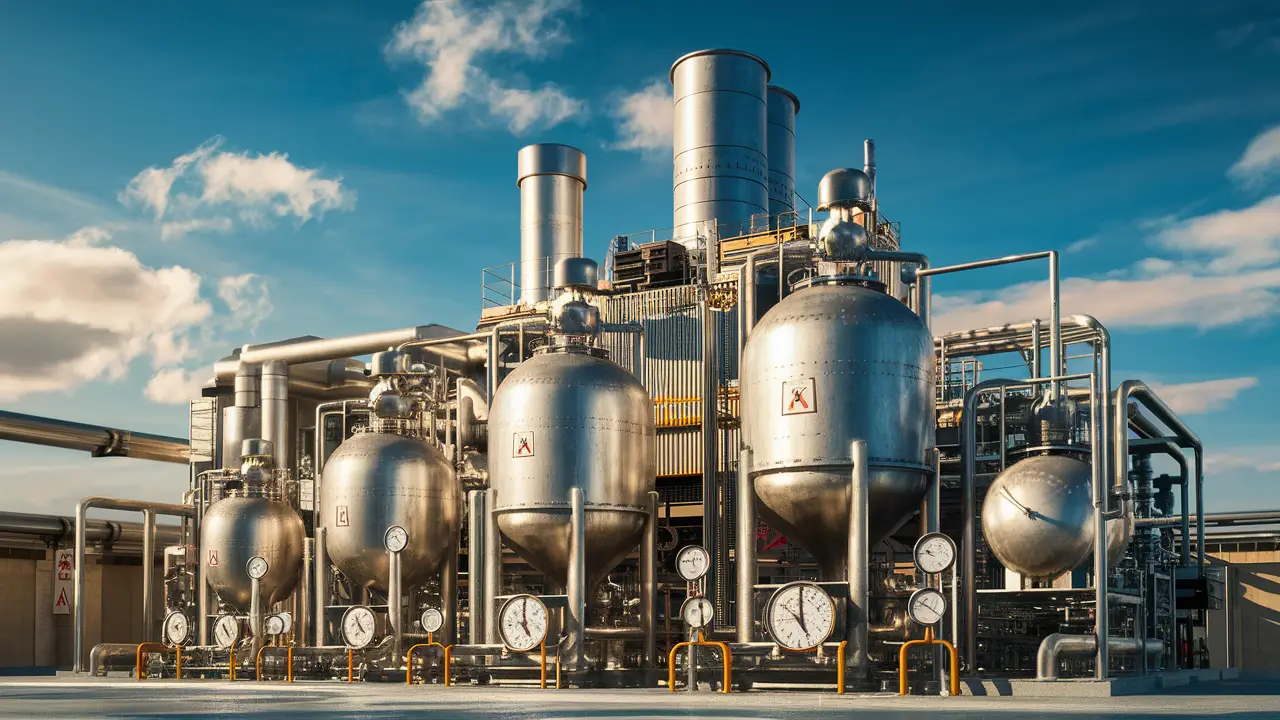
point(374, 481)
point(832, 363)
point(235, 529)
point(568, 418)
point(1037, 517)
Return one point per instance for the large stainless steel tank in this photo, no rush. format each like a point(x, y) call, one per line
point(568, 418)
point(376, 480)
point(830, 364)
point(235, 529)
point(1037, 517)
point(552, 179)
point(783, 107)
point(721, 162)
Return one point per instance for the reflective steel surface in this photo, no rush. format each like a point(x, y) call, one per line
point(567, 419)
point(828, 365)
point(376, 480)
point(721, 165)
point(1037, 517)
point(783, 106)
point(552, 179)
point(238, 528)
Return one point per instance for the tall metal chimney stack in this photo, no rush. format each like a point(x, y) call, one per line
point(869, 162)
point(783, 108)
point(552, 179)
point(721, 160)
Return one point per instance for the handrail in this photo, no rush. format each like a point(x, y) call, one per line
point(928, 640)
point(408, 660)
point(231, 664)
point(289, 668)
point(140, 671)
point(351, 665)
point(700, 642)
point(840, 667)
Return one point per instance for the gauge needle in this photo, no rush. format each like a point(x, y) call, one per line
point(803, 629)
point(524, 617)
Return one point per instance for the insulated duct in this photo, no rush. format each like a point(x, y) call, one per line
point(552, 179)
point(96, 440)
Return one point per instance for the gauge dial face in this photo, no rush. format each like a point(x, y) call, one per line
point(934, 553)
point(800, 616)
point(693, 562)
point(432, 620)
point(287, 619)
point(523, 623)
point(358, 626)
point(177, 628)
point(927, 606)
point(697, 612)
point(257, 567)
point(274, 625)
point(396, 539)
point(226, 631)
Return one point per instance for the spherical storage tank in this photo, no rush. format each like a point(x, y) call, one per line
point(1037, 517)
point(834, 362)
point(374, 481)
point(235, 529)
point(568, 417)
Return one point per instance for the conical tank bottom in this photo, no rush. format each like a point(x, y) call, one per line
point(811, 508)
point(541, 538)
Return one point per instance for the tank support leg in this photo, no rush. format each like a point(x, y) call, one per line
point(859, 560)
point(649, 582)
point(746, 550)
point(475, 567)
point(577, 589)
point(395, 606)
point(492, 565)
point(449, 597)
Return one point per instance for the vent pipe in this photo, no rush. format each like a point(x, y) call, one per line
point(869, 162)
point(783, 108)
point(552, 179)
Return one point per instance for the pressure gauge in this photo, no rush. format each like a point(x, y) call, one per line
point(697, 612)
point(287, 619)
point(432, 620)
point(926, 606)
point(396, 538)
point(523, 623)
point(800, 616)
point(177, 628)
point(226, 631)
point(934, 553)
point(257, 567)
point(693, 562)
point(274, 625)
point(357, 626)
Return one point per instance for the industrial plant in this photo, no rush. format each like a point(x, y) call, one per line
point(729, 455)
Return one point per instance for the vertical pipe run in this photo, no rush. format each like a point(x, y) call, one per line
point(321, 586)
point(746, 549)
point(1057, 367)
point(492, 566)
point(1100, 574)
point(747, 303)
point(710, 386)
point(78, 590)
point(303, 623)
point(275, 411)
point(449, 597)
point(395, 606)
point(148, 570)
point(255, 616)
point(1035, 348)
point(649, 582)
point(476, 582)
point(859, 564)
point(577, 581)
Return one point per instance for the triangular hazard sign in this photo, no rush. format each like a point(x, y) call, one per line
point(62, 599)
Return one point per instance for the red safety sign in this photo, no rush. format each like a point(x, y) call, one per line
point(213, 558)
point(343, 518)
point(523, 445)
point(62, 601)
point(799, 397)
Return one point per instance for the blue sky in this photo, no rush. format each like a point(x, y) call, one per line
point(194, 176)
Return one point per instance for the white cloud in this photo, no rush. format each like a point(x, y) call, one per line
point(1260, 159)
point(1263, 459)
point(203, 189)
point(248, 299)
point(451, 37)
point(1230, 273)
point(646, 118)
point(1204, 396)
point(175, 386)
point(76, 309)
point(1081, 245)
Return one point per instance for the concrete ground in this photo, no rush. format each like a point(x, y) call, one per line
point(116, 698)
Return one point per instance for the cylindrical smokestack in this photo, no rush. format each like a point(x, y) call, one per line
point(552, 179)
point(721, 157)
point(869, 162)
point(275, 410)
point(783, 108)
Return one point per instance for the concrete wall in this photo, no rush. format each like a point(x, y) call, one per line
point(1253, 605)
point(32, 636)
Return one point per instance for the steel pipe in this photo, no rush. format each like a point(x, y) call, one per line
point(395, 606)
point(148, 572)
point(96, 440)
point(321, 585)
point(710, 504)
point(649, 582)
point(105, 503)
point(274, 401)
point(577, 580)
point(746, 549)
point(492, 566)
point(449, 597)
point(55, 528)
point(1053, 647)
point(1266, 517)
point(859, 563)
point(476, 582)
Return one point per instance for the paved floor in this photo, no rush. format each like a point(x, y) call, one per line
point(1237, 700)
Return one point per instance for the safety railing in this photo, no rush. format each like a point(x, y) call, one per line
point(928, 641)
point(288, 662)
point(140, 671)
point(700, 642)
point(408, 660)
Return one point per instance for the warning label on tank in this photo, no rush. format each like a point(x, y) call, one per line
point(799, 397)
point(343, 517)
point(523, 445)
point(213, 558)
